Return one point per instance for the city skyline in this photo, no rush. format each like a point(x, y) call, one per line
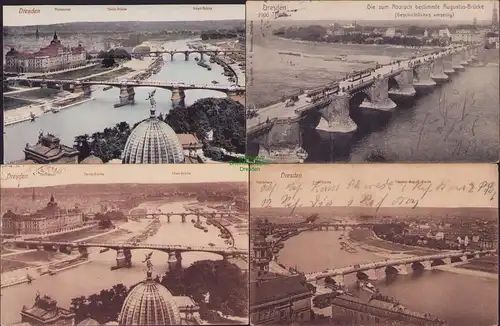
point(358, 10)
point(23, 176)
point(48, 15)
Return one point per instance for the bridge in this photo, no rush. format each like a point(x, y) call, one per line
point(276, 128)
point(127, 92)
point(187, 53)
point(123, 250)
point(400, 266)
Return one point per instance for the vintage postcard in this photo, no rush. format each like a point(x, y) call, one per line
point(373, 81)
point(130, 84)
point(372, 244)
point(124, 245)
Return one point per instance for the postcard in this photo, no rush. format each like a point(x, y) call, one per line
point(373, 81)
point(368, 244)
point(124, 245)
point(131, 84)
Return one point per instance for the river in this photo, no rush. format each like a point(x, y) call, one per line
point(94, 116)
point(96, 275)
point(461, 300)
point(420, 133)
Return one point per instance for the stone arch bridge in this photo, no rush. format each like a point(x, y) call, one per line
point(401, 266)
point(127, 92)
point(123, 250)
point(187, 53)
point(276, 128)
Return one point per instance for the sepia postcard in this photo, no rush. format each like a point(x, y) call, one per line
point(372, 244)
point(373, 81)
point(124, 245)
point(131, 84)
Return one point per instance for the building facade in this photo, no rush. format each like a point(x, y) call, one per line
point(349, 311)
point(279, 300)
point(49, 149)
point(46, 312)
point(49, 219)
point(53, 57)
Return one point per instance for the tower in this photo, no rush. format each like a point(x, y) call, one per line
point(37, 33)
point(494, 17)
point(262, 253)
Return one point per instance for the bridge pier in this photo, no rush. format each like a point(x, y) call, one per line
point(283, 143)
point(198, 218)
point(335, 117)
point(201, 55)
point(378, 94)
point(372, 274)
point(402, 269)
point(177, 97)
point(183, 217)
point(87, 91)
point(171, 56)
point(168, 218)
point(455, 62)
point(437, 73)
point(423, 82)
point(427, 265)
point(405, 91)
point(127, 95)
point(447, 261)
point(76, 88)
point(448, 65)
point(464, 258)
point(75, 251)
point(121, 260)
point(464, 58)
point(40, 248)
point(186, 56)
point(339, 280)
point(477, 256)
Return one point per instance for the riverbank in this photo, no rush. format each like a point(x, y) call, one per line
point(132, 69)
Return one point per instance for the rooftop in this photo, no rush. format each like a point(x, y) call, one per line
point(272, 287)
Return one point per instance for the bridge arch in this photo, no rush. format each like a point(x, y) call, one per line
point(362, 276)
point(391, 270)
point(392, 83)
point(417, 266)
point(357, 98)
point(456, 259)
point(437, 262)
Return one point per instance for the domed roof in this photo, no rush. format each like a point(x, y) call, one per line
point(149, 303)
point(92, 159)
point(152, 142)
point(88, 322)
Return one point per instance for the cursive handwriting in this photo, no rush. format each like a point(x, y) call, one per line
point(48, 171)
point(389, 192)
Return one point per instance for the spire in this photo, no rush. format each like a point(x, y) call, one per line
point(37, 33)
point(52, 198)
point(55, 36)
point(33, 197)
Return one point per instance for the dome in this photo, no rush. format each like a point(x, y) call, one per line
point(149, 303)
point(88, 322)
point(152, 142)
point(92, 159)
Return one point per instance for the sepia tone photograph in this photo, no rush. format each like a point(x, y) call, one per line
point(123, 84)
point(373, 81)
point(124, 245)
point(374, 244)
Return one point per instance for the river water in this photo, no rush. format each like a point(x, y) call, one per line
point(461, 300)
point(425, 131)
point(98, 114)
point(96, 275)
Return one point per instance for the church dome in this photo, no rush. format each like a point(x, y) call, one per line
point(149, 303)
point(92, 159)
point(152, 142)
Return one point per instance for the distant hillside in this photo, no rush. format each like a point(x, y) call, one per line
point(356, 212)
point(129, 26)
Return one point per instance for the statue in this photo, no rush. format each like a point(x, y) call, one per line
point(148, 262)
point(37, 297)
point(152, 99)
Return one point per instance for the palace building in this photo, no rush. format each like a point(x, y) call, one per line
point(45, 311)
point(49, 149)
point(53, 57)
point(47, 220)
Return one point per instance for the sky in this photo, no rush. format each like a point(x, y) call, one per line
point(44, 15)
point(312, 177)
point(21, 176)
point(358, 10)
